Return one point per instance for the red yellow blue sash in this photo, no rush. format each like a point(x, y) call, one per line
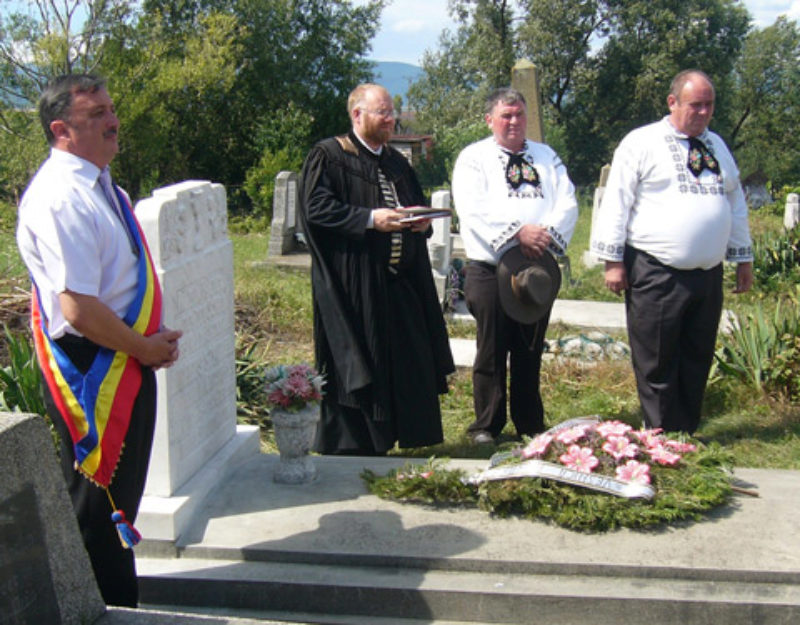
point(96, 406)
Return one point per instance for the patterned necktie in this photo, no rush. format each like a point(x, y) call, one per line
point(519, 170)
point(108, 190)
point(390, 201)
point(701, 158)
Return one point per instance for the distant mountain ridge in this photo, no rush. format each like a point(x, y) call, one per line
point(396, 77)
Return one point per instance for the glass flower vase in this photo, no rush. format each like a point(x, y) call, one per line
point(294, 435)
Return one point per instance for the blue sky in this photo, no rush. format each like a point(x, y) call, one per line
point(409, 27)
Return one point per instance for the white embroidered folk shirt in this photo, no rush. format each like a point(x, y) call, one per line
point(490, 211)
point(654, 203)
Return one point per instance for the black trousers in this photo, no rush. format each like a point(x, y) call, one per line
point(114, 566)
point(673, 316)
point(499, 336)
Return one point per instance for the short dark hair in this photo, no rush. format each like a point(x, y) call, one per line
point(681, 78)
point(56, 98)
point(506, 95)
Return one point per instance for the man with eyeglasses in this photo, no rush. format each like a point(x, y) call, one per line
point(379, 333)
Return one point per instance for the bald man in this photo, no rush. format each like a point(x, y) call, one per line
point(379, 333)
point(672, 212)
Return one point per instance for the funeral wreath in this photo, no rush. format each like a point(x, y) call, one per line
point(584, 474)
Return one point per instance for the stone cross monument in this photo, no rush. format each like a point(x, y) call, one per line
point(525, 79)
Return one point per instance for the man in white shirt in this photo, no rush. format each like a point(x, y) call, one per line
point(672, 211)
point(96, 316)
point(508, 191)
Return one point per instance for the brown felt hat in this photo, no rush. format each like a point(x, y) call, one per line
point(528, 286)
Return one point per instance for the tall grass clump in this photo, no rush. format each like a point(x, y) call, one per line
point(776, 259)
point(762, 350)
point(20, 381)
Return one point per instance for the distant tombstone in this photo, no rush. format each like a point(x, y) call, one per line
point(439, 244)
point(525, 79)
point(45, 575)
point(186, 227)
point(282, 239)
point(590, 259)
point(791, 215)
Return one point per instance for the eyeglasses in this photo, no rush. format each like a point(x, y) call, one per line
point(385, 113)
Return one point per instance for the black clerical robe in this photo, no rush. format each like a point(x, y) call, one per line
point(379, 333)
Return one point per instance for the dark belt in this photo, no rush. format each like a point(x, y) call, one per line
point(483, 265)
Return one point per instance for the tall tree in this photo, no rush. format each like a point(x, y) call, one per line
point(469, 63)
point(193, 79)
point(767, 103)
point(620, 81)
point(40, 39)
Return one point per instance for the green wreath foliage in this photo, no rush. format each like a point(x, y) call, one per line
point(701, 482)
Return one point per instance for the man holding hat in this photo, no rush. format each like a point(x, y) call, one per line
point(516, 208)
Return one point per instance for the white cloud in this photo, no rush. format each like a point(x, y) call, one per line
point(765, 12)
point(408, 26)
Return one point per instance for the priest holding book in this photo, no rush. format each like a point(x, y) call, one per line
point(379, 333)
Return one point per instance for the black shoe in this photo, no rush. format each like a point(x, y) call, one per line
point(482, 438)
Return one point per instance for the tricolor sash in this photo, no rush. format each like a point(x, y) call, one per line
point(96, 406)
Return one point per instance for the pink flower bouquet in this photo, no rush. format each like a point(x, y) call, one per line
point(293, 387)
point(609, 447)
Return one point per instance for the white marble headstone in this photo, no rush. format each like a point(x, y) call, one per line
point(791, 215)
point(186, 227)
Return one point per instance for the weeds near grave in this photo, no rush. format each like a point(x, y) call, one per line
point(20, 381)
point(776, 259)
point(763, 350)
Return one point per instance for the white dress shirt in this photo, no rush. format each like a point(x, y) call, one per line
point(70, 238)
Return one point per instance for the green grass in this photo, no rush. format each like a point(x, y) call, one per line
point(274, 325)
point(759, 431)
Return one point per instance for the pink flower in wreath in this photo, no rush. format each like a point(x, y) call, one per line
point(649, 438)
point(679, 447)
point(633, 471)
point(572, 434)
point(620, 447)
point(613, 428)
point(537, 446)
point(579, 458)
point(663, 456)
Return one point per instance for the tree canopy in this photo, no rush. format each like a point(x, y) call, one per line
point(605, 68)
point(195, 82)
point(235, 90)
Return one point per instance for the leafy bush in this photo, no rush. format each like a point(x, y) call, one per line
point(763, 351)
point(282, 139)
point(20, 381)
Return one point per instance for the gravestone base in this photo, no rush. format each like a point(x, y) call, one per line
point(45, 575)
point(166, 518)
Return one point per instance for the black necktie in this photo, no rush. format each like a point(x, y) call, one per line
point(519, 170)
point(701, 158)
